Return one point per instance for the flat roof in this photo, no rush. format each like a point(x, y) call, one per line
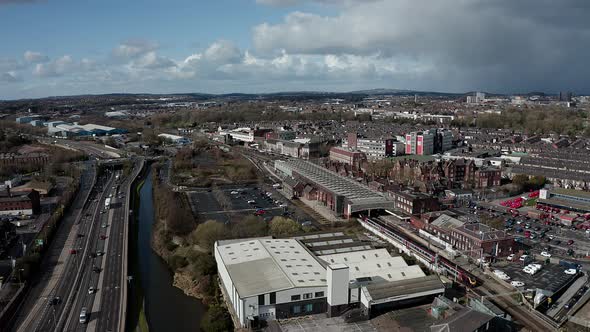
point(405, 287)
point(571, 192)
point(569, 204)
point(376, 263)
point(262, 265)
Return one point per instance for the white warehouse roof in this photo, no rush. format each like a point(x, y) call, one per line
point(264, 265)
point(375, 263)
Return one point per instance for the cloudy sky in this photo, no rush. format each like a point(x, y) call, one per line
point(64, 47)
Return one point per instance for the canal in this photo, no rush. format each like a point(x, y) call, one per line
point(166, 307)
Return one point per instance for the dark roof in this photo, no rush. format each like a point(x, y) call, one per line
point(386, 290)
point(464, 320)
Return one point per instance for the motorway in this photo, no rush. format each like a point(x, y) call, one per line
point(60, 265)
point(99, 236)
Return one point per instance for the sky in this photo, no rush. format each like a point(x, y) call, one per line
point(69, 47)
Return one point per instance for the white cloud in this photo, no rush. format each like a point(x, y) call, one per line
point(151, 60)
point(134, 48)
point(35, 57)
point(57, 67)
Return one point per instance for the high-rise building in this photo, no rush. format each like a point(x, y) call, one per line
point(429, 142)
point(420, 143)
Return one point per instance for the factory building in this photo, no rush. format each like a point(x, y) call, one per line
point(268, 279)
point(64, 129)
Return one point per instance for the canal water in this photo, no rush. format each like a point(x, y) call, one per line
point(166, 307)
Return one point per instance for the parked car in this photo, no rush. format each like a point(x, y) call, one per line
point(570, 242)
point(570, 271)
point(523, 258)
point(510, 257)
point(545, 254)
point(517, 283)
point(234, 192)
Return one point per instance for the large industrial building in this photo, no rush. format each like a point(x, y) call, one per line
point(64, 129)
point(343, 196)
point(267, 279)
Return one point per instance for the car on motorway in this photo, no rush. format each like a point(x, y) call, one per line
point(234, 192)
point(91, 290)
point(96, 269)
point(73, 251)
point(103, 237)
point(570, 271)
point(517, 283)
point(55, 300)
point(83, 315)
point(99, 253)
point(251, 201)
point(104, 225)
point(545, 254)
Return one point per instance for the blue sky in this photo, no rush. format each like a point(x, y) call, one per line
point(53, 47)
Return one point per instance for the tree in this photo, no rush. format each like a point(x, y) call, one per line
point(217, 319)
point(283, 227)
point(251, 226)
point(208, 232)
point(520, 179)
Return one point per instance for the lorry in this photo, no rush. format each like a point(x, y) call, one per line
point(107, 203)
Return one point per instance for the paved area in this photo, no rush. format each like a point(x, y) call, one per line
point(221, 205)
point(409, 319)
point(322, 323)
point(550, 277)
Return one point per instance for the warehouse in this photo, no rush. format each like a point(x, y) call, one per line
point(63, 129)
point(268, 279)
point(342, 195)
point(175, 139)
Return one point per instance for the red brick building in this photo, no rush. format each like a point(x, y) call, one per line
point(21, 205)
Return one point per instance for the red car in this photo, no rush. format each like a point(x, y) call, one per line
point(72, 251)
point(103, 237)
point(570, 242)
